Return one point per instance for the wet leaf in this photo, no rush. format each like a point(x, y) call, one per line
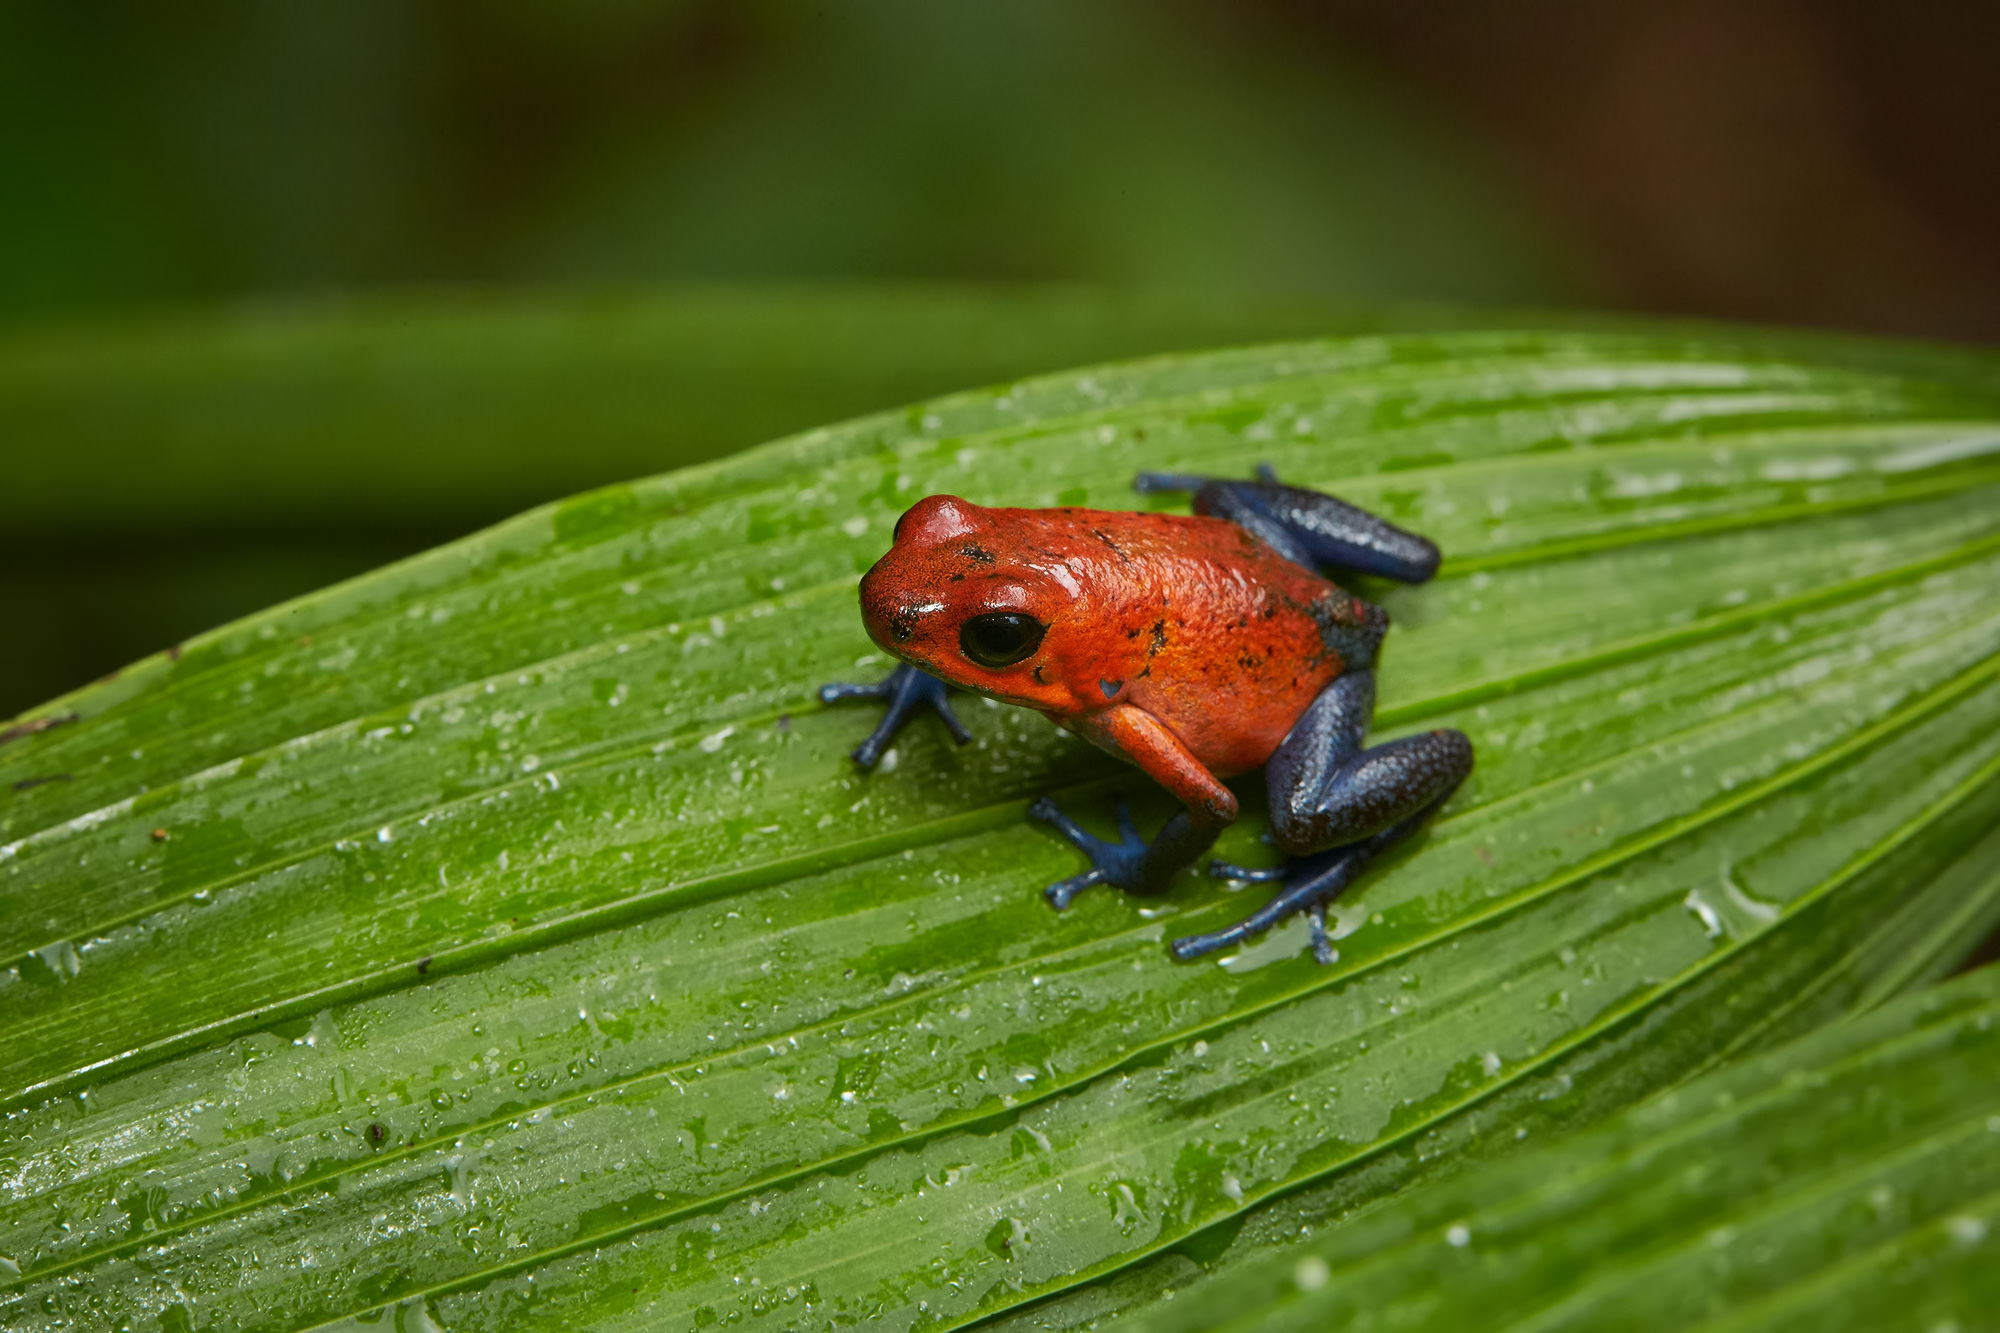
point(505, 940)
point(1850, 1180)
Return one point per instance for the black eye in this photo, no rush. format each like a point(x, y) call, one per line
point(1000, 638)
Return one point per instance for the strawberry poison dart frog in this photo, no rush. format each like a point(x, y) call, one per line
point(1196, 647)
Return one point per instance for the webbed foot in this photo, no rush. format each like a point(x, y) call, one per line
point(906, 690)
point(1120, 864)
point(1310, 883)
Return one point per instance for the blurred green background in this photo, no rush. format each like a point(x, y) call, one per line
point(290, 291)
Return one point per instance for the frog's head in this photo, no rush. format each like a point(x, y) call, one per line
point(970, 595)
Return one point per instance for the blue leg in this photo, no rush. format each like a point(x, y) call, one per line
point(1335, 806)
point(1311, 882)
point(905, 690)
point(1305, 526)
point(1131, 863)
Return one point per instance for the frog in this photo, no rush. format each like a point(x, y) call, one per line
point(1199, 647)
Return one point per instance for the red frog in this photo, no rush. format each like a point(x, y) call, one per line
point(1197, 647)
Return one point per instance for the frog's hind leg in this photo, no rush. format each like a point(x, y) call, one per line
point(1335, 806)
point(1311, 883)
point(905, 690)
point(1306, 527)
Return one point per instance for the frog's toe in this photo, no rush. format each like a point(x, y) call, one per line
point(1063, 892)
point(839, 690)
point(1116, 863)
point(1311, 882)
point(907, 690)
point(1147, 483)
point(1048, 812)
point(1247, 874)
point(1128, 828)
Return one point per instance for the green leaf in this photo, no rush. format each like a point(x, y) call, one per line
point(507, 933)
point(1849, 1180)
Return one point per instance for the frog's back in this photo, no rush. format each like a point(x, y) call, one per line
point(1206, 628)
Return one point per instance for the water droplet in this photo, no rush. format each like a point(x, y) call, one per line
point(1755, 908)
point(60, 958)
point(1967, 1231)
point(1711, 922)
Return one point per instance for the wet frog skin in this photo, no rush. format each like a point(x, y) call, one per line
point(1196, 647)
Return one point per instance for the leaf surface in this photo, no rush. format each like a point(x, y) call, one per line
point(506, 935)
point(1849, 1180)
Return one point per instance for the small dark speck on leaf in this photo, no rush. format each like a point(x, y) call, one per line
point(424, 964)
point(26, 784)
point(784, 722)
point(174, 653)
point(159, 835)
point(376, 1134)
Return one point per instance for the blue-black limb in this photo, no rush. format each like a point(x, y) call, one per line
point(1306, 527)
point(1326, 791)
point(1335, 805)
point(905, 690)
point(1131, 863)
point(1310, 884)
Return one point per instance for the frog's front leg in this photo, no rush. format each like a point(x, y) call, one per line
point(906, 690)
point(1335, 806)
point(1132, 863)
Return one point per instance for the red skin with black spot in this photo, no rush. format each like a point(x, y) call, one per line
point(1179, 643)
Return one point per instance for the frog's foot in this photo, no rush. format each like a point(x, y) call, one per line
point(1118, 863)
point(906, 690)
point(1147, 483)
point(1310, 883)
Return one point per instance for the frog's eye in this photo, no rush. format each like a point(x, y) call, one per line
point(1000, 638)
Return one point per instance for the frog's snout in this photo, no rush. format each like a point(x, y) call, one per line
point(888, 611)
